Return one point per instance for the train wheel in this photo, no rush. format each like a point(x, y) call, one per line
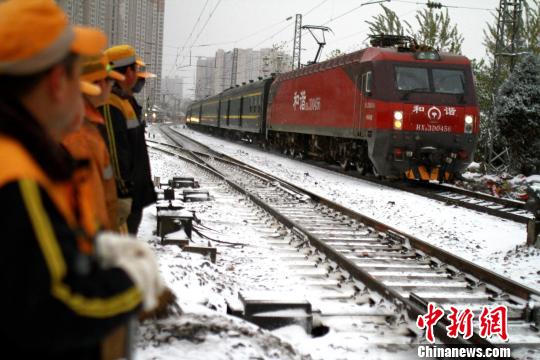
point(376, 173)
point(361, 167)
point(292, 153)
point(364, 167)
point(344, 164)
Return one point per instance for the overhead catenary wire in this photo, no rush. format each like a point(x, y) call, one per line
point(330, 20)
point(180, 50)
point(206, 23)
point(285, 28)
point(193, 45)
point(200, 32)
point(442, 5)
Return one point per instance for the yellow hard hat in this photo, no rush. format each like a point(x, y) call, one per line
point(121, 55)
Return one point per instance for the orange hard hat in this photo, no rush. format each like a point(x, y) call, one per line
point(36, 35)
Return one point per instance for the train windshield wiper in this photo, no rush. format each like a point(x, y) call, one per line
point(406, 93)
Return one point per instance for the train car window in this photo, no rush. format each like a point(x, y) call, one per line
point(448, 81)
point(412, 78)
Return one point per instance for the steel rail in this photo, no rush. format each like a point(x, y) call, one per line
point(508, 209)
point(413, 304)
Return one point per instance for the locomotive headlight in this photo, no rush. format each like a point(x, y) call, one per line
point(398, 120)
point(468, 124)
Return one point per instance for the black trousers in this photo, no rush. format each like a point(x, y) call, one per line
point(133, 221)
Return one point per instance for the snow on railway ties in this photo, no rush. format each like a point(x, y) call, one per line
point(310, 218)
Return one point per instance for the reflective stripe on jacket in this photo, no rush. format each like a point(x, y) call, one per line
point(120, 122)
point(70, 301)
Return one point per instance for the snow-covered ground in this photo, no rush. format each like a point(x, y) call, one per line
point(253, 263)
point(489, 241)
point(205, 331)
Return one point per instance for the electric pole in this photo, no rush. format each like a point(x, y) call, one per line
point(234, 68)
point(297, 47)
point(507, 46)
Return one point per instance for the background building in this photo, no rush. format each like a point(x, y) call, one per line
point(215, 74)
point(135, 22)
point(172, 91)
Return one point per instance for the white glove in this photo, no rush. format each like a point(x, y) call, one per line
point(123, 210)
point(136, 259)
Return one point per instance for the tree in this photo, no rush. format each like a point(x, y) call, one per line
point(334, 54)
point(388, 23)
point(486, 84)
point(529, 34)
point(484, 92)
point(436, 30)
point(517, 114)
point(531, 25)
point(433, 28)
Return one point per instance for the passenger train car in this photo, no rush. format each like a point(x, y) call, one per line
point(396, 109)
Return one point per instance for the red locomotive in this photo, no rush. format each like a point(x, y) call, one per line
point(396, 109)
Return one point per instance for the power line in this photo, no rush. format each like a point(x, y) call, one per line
point(315, 7)
point(273, 35)
point(196, 23)
point(352, 10)
point(206, 23)
point(365, 29)
point(178, 51)
point(439, 5)
point(245, 37)
point(289, 18)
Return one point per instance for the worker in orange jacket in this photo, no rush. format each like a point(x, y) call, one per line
point(127, 146)
point(88, 143)
point(71, 298)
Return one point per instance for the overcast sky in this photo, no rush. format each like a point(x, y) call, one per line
point(203, 26)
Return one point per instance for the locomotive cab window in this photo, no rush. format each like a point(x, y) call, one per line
point(412, 79)
point(366, 83)
point(448, 81)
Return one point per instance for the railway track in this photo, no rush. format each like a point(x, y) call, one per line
point(508, 209)
point(401, 268)
point(504, 208)
point(363, 322)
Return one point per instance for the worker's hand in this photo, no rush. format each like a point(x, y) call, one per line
point(124, 209)
point(136, 259)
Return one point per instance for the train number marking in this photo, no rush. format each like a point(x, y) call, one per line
point(433, 128)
